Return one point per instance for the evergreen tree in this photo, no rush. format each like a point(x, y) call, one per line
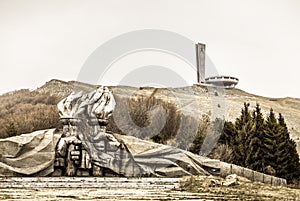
point(282, 154)
point(262, 145)
point(244, 118)
point(241, 147)
point(288, 165)
point(255, 159)
point(244, 128)
point(269, 142)
point(228, 134)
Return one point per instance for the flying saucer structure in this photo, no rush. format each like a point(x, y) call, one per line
point(218, 80)
point(222, 81)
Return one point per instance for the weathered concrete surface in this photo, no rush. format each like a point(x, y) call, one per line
point(227, 169)
point(89, 182)
point(95, 194)
point(117, 188)
point(91, 188)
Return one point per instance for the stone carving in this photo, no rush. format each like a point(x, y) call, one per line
point(99, 103)
point(89, 112)
point(103, 105)
point(85, 147)
point(67, 106)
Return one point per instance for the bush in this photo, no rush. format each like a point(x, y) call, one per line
point(24, 111)
point(145, 117)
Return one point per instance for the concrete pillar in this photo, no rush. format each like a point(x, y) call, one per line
point(200, 55)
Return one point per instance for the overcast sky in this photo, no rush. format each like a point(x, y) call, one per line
point(257, 41)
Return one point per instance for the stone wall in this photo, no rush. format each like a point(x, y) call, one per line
point(227, 169)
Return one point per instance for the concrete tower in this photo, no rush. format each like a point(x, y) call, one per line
point(200, 56)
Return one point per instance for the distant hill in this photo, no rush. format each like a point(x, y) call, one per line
point(193, 101)
point(62, 89)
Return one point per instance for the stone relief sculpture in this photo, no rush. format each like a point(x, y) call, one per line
point(99, 103)
point(67, 107)
point(104, 105)
point(83, 147)
point(86, 147)
point(89, 112)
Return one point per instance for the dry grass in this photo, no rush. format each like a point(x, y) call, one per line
point(242, 191)
point(26, 112)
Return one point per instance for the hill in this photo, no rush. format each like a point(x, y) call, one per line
point(26, 107)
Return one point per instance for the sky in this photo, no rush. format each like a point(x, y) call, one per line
point(257, 41)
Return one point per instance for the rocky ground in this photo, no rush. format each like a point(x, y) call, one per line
point(189, 188)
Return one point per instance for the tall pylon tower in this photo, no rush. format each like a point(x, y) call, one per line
point(200, 56)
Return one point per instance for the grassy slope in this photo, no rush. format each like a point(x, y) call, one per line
point(193, 101)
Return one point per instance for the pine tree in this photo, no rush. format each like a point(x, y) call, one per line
point(269, 142)
point(242, 144)
point(288, 165)
point(262, 145)
point(282, 142)
point(243, 126)
point(228, 134)
point(255, 159)
point(244, 118)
